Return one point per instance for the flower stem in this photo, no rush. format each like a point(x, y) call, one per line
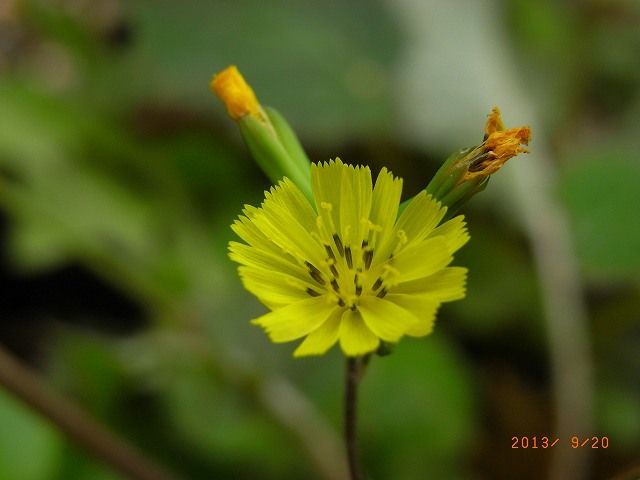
point(355, 369)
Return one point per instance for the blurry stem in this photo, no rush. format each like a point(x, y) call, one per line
point(76, 423)
point(565, 312)
point(355, 370)
point(274, 394)
point(293, 410)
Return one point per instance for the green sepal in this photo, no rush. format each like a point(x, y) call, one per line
point(446, 178)
point(385, 349)
point(458, 198)
point(270, 154)
point(289, 141)
point(448, 175)
point(462, 192)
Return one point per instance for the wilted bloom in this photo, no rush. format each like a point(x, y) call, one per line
point(499, 145)
point(467, 172)
point(346, 268)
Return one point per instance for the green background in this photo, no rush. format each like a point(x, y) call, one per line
point(120, 175)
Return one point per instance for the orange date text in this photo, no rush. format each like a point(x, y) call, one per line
point(543, 441)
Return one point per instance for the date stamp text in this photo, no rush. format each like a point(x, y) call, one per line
point(543, 441)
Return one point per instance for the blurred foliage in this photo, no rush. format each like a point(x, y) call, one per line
point(23, 438)
point(114, 156)
point(602, 194)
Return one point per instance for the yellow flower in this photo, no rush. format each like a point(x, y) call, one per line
point(348, 269)
point(230, 86)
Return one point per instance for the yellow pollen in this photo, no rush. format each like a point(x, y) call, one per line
point(230, 86)
point(374, 227)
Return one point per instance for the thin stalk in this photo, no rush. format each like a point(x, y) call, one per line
point(76, 423)
point(354, 374)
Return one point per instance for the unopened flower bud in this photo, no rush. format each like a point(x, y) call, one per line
point(272, 142)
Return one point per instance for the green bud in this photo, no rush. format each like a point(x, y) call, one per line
point(270, 153)
point(289, 140)
point(271, 141)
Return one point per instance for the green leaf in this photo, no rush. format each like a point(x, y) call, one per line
point(601, 191)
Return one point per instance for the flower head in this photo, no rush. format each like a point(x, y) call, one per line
point(467, 171)
point(348, 269)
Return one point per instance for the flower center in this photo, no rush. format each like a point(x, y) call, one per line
point(347, 273)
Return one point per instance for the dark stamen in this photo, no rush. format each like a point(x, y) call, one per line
point(315, 273)
point(353, 307)
point(347, 255)
point(367, 256)
point(476, 164)
point(334, 284)
point(377, 285)
point(341, 302)
point(312, 292)
point(382, 293)
point(334, 270)
point(330, 252)
point(357, 285)
point(338, 243)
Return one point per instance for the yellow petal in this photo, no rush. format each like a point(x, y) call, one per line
point(263, 259)
point(244, 227)
point(384, 206)
point(326, 183)
point(297, 319)
point(355, 204)
point(423, 307)
point(322, 338)
point(420, 217)
point(445, 286)
point(274, 288)
point(289, 197)
point(355, 338)
point(386, 319)
point(278, 223)
point(420, 260)
point(417, 221)
point(454, 232)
